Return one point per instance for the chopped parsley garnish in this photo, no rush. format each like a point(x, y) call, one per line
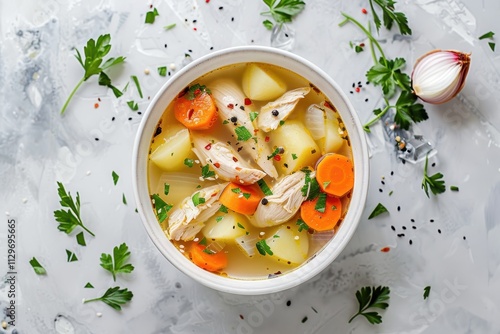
point(242, 133)
point(372, 298)
point(223, 208)
point(247, 195)
point(80, 239)
point(69, 219)
point(311, 187)
point(379, 209)
point(161, 208)
point(275, 152)
point(489, 34)
point(114, 297)
point(115, 177)
point(151, 15)
point(117, 263)
point(282, 11)
point(427, 290)
point(170, 26)
point(189, 162)
point(454, 188)
point(71, 257)
point(294, 156)
point(137, 84)
point(263, 247)
point(162, 71)
point(203, 241)
point(302, 225)
point(321, 203)
point(206, 172)
point(166, 189)
point(282, 123)
point(208, 251)
point(236, 190)
point(104, 80)
point(124, 199)
point(195, 90)
point(276, 236)
point(358, 48)
point(219, 218)
point(435, 182)
point(326, 184)
point(225, 121)
point(88, 286)
point(241, 226)
point(197, 200)
point(253, 115)
point(37, 267)
point(133, 105)
point(390, 16)
point(264, 187)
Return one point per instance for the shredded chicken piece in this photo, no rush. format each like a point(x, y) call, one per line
point(273, 113)
point(230, 101)
point(188, 219)
point(225, 161)
point(284, 203)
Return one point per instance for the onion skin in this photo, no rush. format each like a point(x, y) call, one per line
point(439, 75)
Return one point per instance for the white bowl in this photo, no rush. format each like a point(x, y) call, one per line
point(321, 80)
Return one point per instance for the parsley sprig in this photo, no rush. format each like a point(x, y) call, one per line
point(94, 53)
point(116, 263)
point(69, 219)
point(114, 297)
point(282, 11)
point(388, 73)
point(369, 297)
point(389, 16)
point(434, 182)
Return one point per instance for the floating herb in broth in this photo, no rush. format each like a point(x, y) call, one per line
point(244, 149)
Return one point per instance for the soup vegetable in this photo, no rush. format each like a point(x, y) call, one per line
point(250, 171)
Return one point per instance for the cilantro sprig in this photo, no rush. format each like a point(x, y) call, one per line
point(434, 182)
point(114, 297)
point(69, 219)
point(282, 11)
point(93, 64)
point(369, 297)
point(116, 263)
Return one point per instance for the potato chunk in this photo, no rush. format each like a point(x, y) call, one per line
point(261, 84)
point(288, 244)
point(225, 226)
point(170, 155)
point(332, 141)
point(300, 150)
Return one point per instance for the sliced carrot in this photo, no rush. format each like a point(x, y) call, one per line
point(335, 174)
point(195, 108)
point(243, 199)
point(321, 221)
point(206, 260)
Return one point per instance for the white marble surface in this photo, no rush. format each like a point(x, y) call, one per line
point(38, 147)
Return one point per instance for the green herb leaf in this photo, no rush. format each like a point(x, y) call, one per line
point(387, 73)
point(114, 297)
point(390, 16)
point(236, 190)
point(242, 133)
point(69, 219)
point(206, 172)
point(197, 200)
point(137, 84)
point(219, 218)
point(71, 257)
point(133, 105)
point(88, 286)
point(247, 195)
point(264, 187)
point(302, 225)
point(203, 241)
point(166, 189)
point(311, 187)
point(115, 177)
point(358, 48)
point(195, 90)
point(275, 152)
point(189, 162)
point(282, 11)
point(379, 209)
point(294, 156)
point(427, 290)
point(489, 34)
point(241, 226)
point(124, 199)
point(492, 46)
point(104, 80)
point(454, 188)
point(263, 247)
point(435, 182)
point(372, 298)
point(80, 239)
point(223, 208)
point(268, 24)
point(170, 26)
point(151, 15)
point(161, 208)
point(116, 264)
point(321, 203)
point(326, 184)
point(162, 71)
point(408, 111)
point(253, 115)
point(37, 267)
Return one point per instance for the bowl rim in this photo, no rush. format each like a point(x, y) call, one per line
point(324, 257)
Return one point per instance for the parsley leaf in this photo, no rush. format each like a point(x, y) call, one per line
point(206, 172)
point(137, 84)
point(253, 115)
point(242, 133)
point(161, 208)
point(133, 105)
point(151, 15)
point(124, 199)
point(379, 209)
point(170, 26)
point(311, 187)
point(275, 152)
point(268, 24)
point(37, 267)
point(321, 203)
point(116, 263)
point(387, 73)
point(372, 298)
point(162, 71)
point(264, 187)
point(94, 53)
point(80, 239)
point(114, 297)
point(197, 200)
point(71, 257)
point(189, 162)
point(489, 34)
point(282, 11)
point(435, 182)
point(263, 247)
point(69, 219)
point(427, 290)
point(223, 208)
point(390, 16)
point(115, 177)
point(302, 225)
point(407, 110)
point(88, 286)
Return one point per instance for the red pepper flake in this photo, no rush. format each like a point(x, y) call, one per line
point(195, 29)
point(235, 159)
point(385, 249)
point(255, 130)
point(248, 101)
point(364, 11)
point(357, 89)
point(208, 147)
point(96, 105)
point(230, 106)
point(196, 92)
point(207, 1)
point(277, 157)
point(217, 165)
point(266, 139)
point(190, 113)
